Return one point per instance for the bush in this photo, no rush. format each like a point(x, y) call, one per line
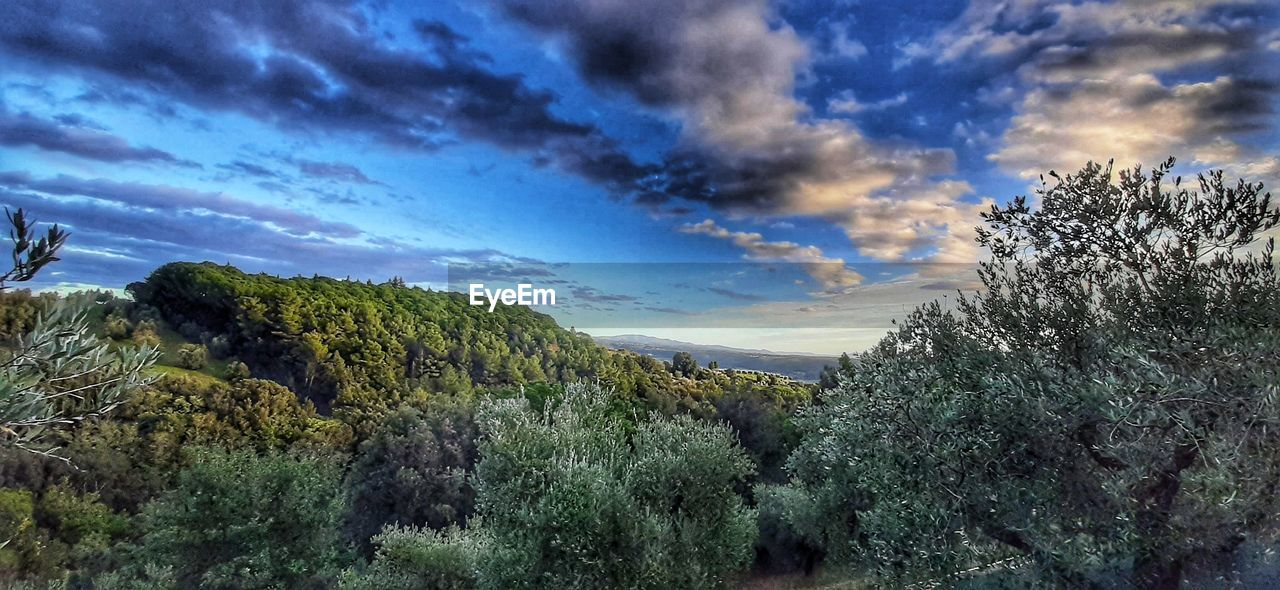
point(145, 335)
point(24, 551)
point(240, 520)
point(116, 327)
point(237, 370)
point(422, 559)
point(414, 472)
point(193, 356)
point(575, 498)
point(220, 346)
point(790, 533)
point(83, 525)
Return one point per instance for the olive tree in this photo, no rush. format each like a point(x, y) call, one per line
point(60, 372)
point(576, 496)
point(1105, 403)
point(240, 520)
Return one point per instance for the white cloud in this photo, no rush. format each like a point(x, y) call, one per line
point(845, 102)
point(830, 272)
point(1121, 80)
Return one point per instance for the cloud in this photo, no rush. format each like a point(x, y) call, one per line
point(1134, 119)
point(106, 246)
point(333, 171)
point(731, 294)
point(830, 272)
point(845, 102)
point(251, 169)
point(842, 46)
point(591, 294)
point(175, 199)
point(668, 310)
point(1124, 80)
point(72, 134)
point(314, 65)
point(727, 69)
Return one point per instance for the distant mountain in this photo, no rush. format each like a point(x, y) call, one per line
point(797, 365)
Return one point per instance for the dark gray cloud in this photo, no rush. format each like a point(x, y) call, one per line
point(728, 69)
point(594, 295)
point(314, 64)
point(336, 171)
point(668, 310)
point(250, 169)
point(75, 135)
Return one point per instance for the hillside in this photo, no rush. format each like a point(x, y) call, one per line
point(360, 347)
point(798, 366)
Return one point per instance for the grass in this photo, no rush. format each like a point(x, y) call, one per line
point(170, 342)
point(200, 376)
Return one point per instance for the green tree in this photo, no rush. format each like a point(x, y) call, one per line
point(684, 364)
point(59, 373)
point(575, 497)
point(1108, 397)
point(414, 471)
point(239, 520)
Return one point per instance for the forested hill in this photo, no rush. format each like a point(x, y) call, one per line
point(324, 337)
point(357, 346)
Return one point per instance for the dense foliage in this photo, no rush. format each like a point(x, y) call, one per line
point(414, 471)
point(575, 497)
point(362, 349)
point(1106, 403)
point(1101, 413)
point(243, 520)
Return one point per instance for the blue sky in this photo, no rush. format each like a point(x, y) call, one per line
point(380, 139)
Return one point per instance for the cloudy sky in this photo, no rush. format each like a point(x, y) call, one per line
point(391, 138)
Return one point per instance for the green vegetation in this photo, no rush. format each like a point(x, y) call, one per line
point(361, 349)
point(414, 471)
point(59, 371)
point(1102, 413)
point(1107, 402)
point(576, 497)
point(243, 520)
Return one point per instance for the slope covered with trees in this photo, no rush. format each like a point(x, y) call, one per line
point(360, 348)
point(1103, 413)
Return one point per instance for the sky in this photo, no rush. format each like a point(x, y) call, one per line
point(855, 141)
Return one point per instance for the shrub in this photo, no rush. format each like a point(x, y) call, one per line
point(422, 559)
point(116, 327)
point(1108, 397)
point(193, 356)
point(241, 520)
point(237, 370)
point(146, 336)
point(414, 472)
point(575, 498)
